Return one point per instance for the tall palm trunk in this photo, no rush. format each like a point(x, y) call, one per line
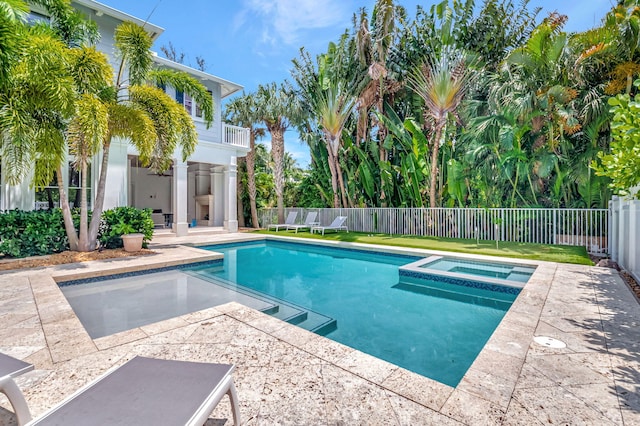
point(251, 178)
point(94, 226)
point(346, 202)
point(69, 228)
point(83, 242)
point(277, 153)
point(434, 164)
point(334, 178)
point(239, 191)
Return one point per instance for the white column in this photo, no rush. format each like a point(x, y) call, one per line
point(191, 196)
point(230, 196)
point(180, 194)
point(217, 189)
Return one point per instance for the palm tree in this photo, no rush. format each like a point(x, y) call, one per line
point(442, 84)
point(373, 43)
point(327, 91)
point(39, 72)
point(277, 105)
point(334, 107)
point(134, 109)
point(243, 112)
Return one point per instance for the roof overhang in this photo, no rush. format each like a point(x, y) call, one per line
point(102, 9)
point(228, 87)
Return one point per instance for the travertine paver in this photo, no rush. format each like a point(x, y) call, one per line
point(286, 375)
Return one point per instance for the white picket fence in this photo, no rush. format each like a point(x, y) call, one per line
point(577, 227)
point(624, 234)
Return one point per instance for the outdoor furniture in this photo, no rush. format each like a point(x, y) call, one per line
point(291, 220)
point(336, 225)
point(147, 391)
point(10, 368)
point(308, 222)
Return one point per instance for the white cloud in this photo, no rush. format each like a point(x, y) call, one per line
point(284, 20)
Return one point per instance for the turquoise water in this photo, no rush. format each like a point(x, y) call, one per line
point(431, 328)
point(503, 271)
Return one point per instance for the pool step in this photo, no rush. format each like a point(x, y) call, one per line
point(277, 308)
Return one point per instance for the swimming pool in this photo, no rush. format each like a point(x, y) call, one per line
point(433, 327)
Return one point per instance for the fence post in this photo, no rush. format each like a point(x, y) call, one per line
point(555, 227)
point(633, 237)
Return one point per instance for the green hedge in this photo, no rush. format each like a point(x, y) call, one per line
point(32, 233)
point(37, 233)
point(125, 220)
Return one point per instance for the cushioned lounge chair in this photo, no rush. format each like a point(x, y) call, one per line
point(336, 225)
point(147, 391)
point(290, 220)
point(309, 221)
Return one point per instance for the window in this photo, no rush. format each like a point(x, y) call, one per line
point(198, 109)
point(49, 196)
point(75, 186)
point(37, 18)
point(188, 103)
point(192, 107)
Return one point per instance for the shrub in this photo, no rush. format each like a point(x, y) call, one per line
point(125, 220)
point(32, 233)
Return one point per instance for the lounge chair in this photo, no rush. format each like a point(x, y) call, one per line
point(336, 225)
point(11, 368)
point(291, 220)
point(146, 391)
point(309, 221)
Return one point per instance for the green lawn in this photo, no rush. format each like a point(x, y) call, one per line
point(550, 253)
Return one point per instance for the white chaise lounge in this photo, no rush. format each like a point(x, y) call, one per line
point(11, 368)
point(290, 220)
point(338, 224)
point(143, 391)
point(309, 221)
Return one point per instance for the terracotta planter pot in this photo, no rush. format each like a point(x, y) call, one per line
point(132, 242)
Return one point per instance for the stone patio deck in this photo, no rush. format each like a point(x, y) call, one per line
point(286, 375)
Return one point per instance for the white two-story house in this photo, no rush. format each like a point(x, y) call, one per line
point(200, 191)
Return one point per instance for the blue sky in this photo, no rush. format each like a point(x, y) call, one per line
point(252, 42)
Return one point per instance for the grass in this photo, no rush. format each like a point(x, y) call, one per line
point(544, 252)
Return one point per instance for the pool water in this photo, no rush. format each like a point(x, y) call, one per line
point(433, 328)
point(502, 271)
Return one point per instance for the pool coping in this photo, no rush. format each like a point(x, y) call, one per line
point(497, 385)
point(484, 393)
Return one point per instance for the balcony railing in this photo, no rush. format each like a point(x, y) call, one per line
point(234, 135)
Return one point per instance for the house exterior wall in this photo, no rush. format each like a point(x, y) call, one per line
point(177, 195)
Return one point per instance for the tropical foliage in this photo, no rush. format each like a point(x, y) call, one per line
point(466, 104)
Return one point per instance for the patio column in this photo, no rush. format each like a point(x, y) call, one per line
point(230, 196)
point(217, 189)
point(179, 187)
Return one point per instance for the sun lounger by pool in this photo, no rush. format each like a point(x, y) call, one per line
point(290, 220)
point(147, 391)
point(336, 225)
point(11, 368)
point(308, 222)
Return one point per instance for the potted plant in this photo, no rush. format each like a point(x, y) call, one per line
point(131, 240)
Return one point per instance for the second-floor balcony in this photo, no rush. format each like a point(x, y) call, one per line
point(234, 135)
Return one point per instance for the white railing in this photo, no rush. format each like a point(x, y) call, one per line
point(576, 227)
point(234, 135)
point(624, 234)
